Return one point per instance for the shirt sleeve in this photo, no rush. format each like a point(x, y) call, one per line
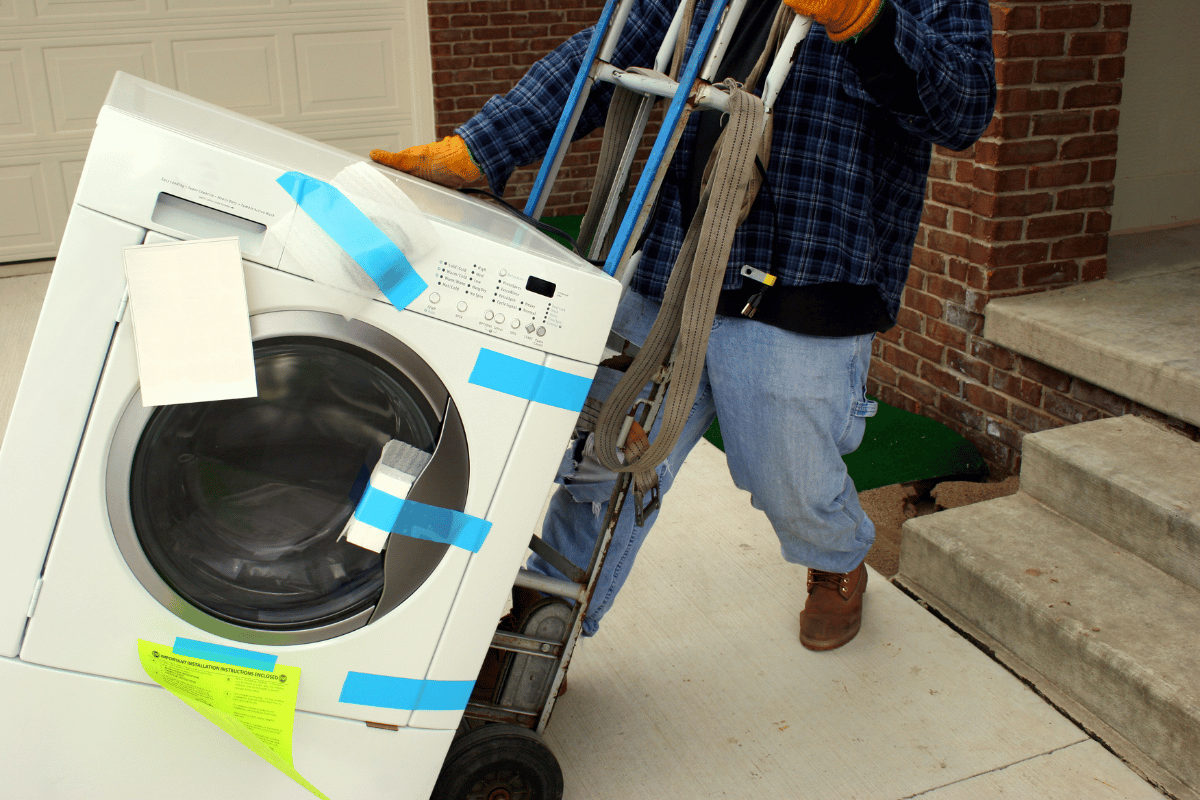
point(931, 64)
point(515, 129)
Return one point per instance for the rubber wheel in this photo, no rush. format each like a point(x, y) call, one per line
point(499, 762)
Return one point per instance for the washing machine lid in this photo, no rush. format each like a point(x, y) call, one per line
point(231, 513)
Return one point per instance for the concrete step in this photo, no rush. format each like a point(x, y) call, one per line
point(1128, 480)
point(1080, 615)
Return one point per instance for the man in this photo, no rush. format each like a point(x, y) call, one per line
point(874, 84)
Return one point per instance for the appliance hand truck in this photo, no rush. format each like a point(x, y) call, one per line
point(498, 752)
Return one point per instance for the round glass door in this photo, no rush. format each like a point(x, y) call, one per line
point(238, 506)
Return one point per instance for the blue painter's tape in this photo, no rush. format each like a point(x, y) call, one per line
point(357, 235)
point(222, 654)
point(419, 521)
point(385, 691)
point(529, 381)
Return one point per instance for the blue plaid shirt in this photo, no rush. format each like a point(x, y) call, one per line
point(847, 173)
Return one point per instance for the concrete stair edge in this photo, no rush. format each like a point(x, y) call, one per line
point(1127, 480)
point(1122, 672)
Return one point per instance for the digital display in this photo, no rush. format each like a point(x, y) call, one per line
point(539, 286)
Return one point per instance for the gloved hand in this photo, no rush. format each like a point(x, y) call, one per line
point(841, 18)
point(447, 162)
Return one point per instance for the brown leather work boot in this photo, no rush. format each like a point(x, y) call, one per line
point(833, 613)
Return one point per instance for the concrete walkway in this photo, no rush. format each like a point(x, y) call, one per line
point(697, 686)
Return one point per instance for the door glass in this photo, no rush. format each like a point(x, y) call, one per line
point(239, 504)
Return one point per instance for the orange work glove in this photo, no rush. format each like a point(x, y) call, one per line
point(447, 162)
point(842, 18)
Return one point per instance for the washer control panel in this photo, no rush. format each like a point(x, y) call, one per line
point(533, 301)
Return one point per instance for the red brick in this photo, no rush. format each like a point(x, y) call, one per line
point(1094, 269)
point(1097, 44)
point(1076, 15)
point(1045, 375)
point(1065, 70)
point(960, 412)
point(928, 260)
point(909, 320)
point(1098, 222)
point(1055, 272)
point(957, 269)
point(1091, 197)
point(1014, 73)
point(1030, 419)
point(964, 171)
point(947, 243)
point(1090, 146)
point(1104, 171)
point(978, 371)
point(993, 354)
point(923, 303)
point(1117, 16)
point(1008, 18)
point(894, 398)
point(961, 222)
point(925, 348)
point(1016, 387)
point(934, 215)
point(1024, 253)
point(880, 373)
point(1102, 399)
point(1068, 409)
point(993, 230)
point(999, 180)
point(1105, 119)
point(941, 332)
point(901, 359)
point(1095, 244)
point(985, 400)
point(941, 378)
point(1057, 225)
point(1061, 123)
point(1032, 45)
point(944, 289)
point(997, 280)
point(1090, 96)
point(1041, 177)
point(1012, 205)
point(952, 194)
point(1025, 100)
point(918, 390)
point(1003, 432)
point(962, 317)
point(1111, 69)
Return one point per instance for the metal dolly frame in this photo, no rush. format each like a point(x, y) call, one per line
point(524, 720)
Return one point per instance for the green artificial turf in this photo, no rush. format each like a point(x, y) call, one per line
point(898, 447)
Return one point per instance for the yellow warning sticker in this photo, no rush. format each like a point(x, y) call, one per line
point(256, 707)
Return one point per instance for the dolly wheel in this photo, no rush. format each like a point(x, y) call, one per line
point(499, 762)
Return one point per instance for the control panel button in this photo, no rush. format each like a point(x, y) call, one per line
point(434, 297)
point(500, 318)
point(489, 315)
point(516, 323)
point(529, 328)
point(541, 332)
point(462, 306)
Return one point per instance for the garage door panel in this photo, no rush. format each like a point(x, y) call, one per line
point(79, 77)
point(355, 73)
point(237, 73)
point(16, 110)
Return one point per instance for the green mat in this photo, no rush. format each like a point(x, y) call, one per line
point(898, 447)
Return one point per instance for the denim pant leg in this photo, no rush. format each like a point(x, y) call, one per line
point(790, 407)
point(579, 505)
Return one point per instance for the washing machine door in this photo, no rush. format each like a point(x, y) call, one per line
point(230, 513)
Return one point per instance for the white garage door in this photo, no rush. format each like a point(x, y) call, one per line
point(354, 73)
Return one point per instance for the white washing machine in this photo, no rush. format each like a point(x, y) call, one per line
point(218, 522)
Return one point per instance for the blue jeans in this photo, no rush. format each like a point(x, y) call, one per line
point(790, 407)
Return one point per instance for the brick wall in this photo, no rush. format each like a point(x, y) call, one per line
point(481, 48)
point(1024, 210)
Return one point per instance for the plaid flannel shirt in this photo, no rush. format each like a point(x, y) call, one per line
point(847, 174)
